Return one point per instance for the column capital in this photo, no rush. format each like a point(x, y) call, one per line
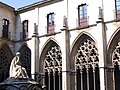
point(64, 29)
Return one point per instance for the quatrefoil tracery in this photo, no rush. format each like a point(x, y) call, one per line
point(53, 60)
point(116, 55)
point(87, 55)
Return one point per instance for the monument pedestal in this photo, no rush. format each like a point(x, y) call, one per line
point(19, 79)
point(20, 84)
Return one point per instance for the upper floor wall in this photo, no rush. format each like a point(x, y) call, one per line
point(7, 21)
point(83, 12)
point(109, 9)
point(49, 14)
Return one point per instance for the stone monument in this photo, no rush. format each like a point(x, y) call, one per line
point(16, 69)
point(18, 78)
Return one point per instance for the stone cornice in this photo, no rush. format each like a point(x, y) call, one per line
point(6, 7)
point(35, 5)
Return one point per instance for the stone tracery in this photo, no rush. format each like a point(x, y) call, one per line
point(116, 65)
point(116, 55)
point(53, 59)
point(53, 68)
point(87, 54)
point(25, 59)
point(86, 66)
point(5, 63)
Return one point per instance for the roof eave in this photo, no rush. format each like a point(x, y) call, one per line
point(35, 5)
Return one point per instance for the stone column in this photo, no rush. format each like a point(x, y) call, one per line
point(35, 44)
point(49, 80)
point(81, 72)
point(59, 80)
point(87, 70)
point(101, 50)
point(94, 77)
point(65, 57)
point(54, 83)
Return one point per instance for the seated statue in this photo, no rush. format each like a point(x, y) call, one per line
point(16, 69)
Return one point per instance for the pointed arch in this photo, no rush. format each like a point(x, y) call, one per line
point(84, 60)
point(6, 56)
point(25, 58)
point(51, 65)
point(113, 60)
point(49, 43)
point(115, 38)
point(82, 36)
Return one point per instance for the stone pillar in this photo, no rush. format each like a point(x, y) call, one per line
point(101, 50)
point(35, 44)
point(65, 56)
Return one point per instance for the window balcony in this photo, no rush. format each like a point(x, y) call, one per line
point(51, 29)
point(83, 22)
point(117, 14)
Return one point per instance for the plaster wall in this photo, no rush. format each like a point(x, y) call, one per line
point(9, 15)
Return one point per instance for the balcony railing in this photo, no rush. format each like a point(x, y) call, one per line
point(117, 14)
point(83, 22)
point(51, 29)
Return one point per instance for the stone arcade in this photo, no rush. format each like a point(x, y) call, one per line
point(64, 44)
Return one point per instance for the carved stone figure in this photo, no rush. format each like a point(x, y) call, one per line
point(65, 24)
point(16, 70)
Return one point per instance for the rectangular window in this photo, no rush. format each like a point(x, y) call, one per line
point(50, 23)
point(5, 28)
point(117, 6)
point(82, 15)
point(25, 29)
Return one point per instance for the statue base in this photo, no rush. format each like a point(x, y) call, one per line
point(12, 83)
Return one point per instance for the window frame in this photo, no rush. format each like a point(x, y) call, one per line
point(5, 28)
point(117, 8)
point(25, 29)
point(50, 23)
point(82, 15)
